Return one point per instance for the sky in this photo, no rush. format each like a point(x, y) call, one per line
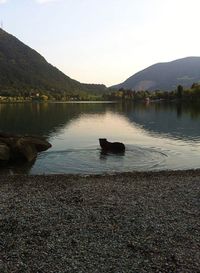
point(105, 41)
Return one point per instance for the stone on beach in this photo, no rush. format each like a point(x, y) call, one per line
point(127, 222)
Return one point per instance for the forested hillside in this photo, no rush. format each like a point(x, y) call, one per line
point(23, 70)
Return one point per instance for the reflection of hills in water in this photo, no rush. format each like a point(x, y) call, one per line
point(178, 121)
point(44, 118)
point(82, 123)
point(174, 120)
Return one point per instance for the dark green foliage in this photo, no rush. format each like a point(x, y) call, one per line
point(189, 94)
point(179, 91)
point(24, 71)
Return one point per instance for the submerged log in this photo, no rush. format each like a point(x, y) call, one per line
point(25, 148)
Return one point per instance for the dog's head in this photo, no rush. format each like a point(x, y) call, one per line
point(102, 141)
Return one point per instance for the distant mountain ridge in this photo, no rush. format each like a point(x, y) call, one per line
point(165, 76)
point(21, 67)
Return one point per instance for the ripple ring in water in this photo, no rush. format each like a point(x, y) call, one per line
point(91, 160)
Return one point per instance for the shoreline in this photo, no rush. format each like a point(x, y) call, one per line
point(122, 222)
point(104, 174)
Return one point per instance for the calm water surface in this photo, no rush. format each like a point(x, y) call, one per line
point(157, 136)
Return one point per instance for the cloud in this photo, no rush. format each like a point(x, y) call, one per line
point(3, 1)
point(43, 1)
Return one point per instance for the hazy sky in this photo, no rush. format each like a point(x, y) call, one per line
point(105, 41)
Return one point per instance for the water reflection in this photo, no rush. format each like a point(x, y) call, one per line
point(45, 118)
point(158, 135)
point(104, 155)
point(17, 168)
point(174, 120)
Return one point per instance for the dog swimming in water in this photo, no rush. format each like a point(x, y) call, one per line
point(114, 147)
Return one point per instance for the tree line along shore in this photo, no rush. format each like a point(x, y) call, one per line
point(109, 94)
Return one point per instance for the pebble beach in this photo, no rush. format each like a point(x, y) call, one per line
point(127, 222)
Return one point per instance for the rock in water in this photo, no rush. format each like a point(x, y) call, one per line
point(40, 143)
point(4, 152)
point(26, 149)
point(15, 147)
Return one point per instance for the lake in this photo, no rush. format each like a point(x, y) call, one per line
point(157, 136)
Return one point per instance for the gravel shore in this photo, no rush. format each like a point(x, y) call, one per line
point(131, 222)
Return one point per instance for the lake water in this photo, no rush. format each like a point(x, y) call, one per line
point(157, 136)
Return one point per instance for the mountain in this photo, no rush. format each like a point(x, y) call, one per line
point(165, 76)
point(22, 68)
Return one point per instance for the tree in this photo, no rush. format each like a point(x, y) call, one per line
point(180, 91)
point(194, 85)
